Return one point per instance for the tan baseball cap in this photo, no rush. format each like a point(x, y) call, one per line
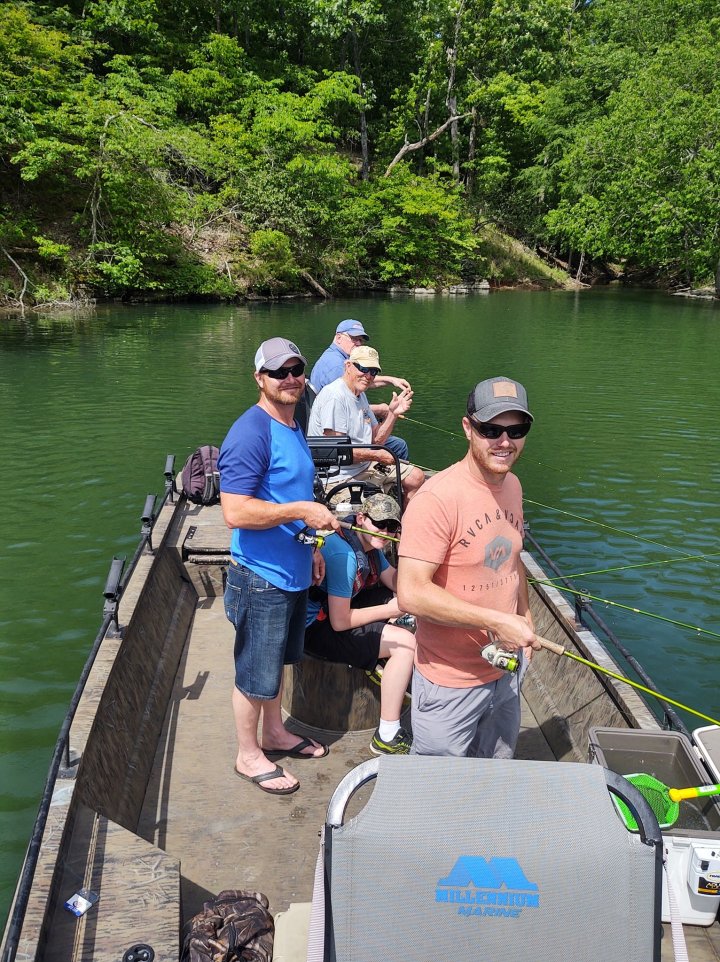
point(365, 355)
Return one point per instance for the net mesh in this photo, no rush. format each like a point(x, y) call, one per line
point(656, 795)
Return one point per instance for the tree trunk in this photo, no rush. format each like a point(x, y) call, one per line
point(717, 280)
point(317, 287)
point(408, 147)
point(472, 146)
point(451, 97)
point(580, 266)
point(365, 169)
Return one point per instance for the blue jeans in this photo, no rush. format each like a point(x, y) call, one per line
point(269, 630)
point(398, 446)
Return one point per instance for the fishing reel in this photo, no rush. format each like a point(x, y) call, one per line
point(313, 540)
point(500, 658)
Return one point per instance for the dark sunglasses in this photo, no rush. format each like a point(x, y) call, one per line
point(370, 371)
point(493, 431)
point(282, 372)
point(387, 524)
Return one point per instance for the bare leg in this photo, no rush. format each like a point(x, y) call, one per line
point(398, 646)
point(412, 483)
point(250, 758)
point(274, 733)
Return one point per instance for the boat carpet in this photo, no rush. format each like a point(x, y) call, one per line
point(227, 833)
point(230, 835)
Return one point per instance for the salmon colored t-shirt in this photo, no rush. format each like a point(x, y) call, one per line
point(474, 532)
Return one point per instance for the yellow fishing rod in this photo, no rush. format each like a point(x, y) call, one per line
point(560, 650)
point(318, 539)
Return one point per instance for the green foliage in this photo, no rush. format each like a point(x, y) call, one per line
point(415, 229)
point(271, 263)
point(644, 185)
point(50, 250)
point(205, 148)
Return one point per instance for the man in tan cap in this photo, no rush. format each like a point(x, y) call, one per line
point(342, 408)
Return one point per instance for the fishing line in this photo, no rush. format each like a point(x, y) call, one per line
point(599, 524)
point(433, 427)
point(644, 564)
point(636, 611)
point(549, 507)
point(559, 650)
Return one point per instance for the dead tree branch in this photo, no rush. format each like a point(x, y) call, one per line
point(314, 284)
point(21, 272)
point(408, 148)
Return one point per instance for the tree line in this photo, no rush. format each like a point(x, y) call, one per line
point(219, 148)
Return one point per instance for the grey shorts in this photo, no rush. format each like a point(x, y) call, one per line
point(479, 722)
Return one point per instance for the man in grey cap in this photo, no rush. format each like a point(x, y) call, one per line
point(460, 573)
point(330, 366)
point(266, 493)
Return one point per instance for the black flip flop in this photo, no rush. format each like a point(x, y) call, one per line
point(297, 750)
point(266, 777)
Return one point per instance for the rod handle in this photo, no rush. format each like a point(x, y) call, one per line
point(551, 645)
point(680, 794)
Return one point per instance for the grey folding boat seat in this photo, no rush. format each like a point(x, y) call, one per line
point(465, 860)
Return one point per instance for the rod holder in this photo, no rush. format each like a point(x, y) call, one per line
point(148, 518)
point(112, 590)
point(169, 473)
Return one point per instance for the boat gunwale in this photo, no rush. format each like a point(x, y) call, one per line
point(49, 833)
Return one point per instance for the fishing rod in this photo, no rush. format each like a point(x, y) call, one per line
point(318, 539)
point(643, 564)
point(560, 650)
point(635, 611)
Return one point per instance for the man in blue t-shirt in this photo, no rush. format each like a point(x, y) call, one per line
point(266, 493)
point(331, 365)
point(348, 614)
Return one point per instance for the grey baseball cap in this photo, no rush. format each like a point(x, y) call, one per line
point(273, 353)
point(495, 396)
point(380, 507)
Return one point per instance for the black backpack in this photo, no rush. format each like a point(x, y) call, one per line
point(200, 476)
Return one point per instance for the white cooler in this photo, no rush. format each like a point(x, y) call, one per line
point(692, 845)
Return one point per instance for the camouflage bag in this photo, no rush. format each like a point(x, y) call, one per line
point(234, 926)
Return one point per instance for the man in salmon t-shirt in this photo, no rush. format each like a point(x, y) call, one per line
point(460, 574)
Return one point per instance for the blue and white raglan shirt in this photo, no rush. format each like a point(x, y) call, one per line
point(263, 458)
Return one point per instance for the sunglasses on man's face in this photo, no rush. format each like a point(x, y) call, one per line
point(280, 373)
point(370, 371)
point(486, 429)
point(387, 524)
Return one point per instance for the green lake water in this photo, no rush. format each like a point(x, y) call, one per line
point(621, 467)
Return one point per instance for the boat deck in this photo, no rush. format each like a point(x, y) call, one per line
point(231, 834)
